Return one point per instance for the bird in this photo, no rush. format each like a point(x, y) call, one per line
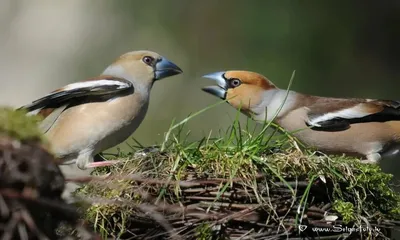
point(82, 119)
point(368, 129)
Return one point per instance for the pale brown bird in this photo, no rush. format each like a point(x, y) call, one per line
point(85, 118)
point(366, 128)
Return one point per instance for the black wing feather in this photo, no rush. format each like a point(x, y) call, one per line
point(390, 112)
point(84, 94)
point(333, 125)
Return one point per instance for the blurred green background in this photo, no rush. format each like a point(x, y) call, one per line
point(338, 48)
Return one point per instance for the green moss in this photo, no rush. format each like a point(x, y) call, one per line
point(106, 221)
point(16, 124)
point(203, 231)
point(358, 191)
point(346, 210)
point(370, 190)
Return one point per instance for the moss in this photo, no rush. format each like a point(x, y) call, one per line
point(378, 184)
point(370, 190)
point(203, 231)
point(16, 124)
point(359, 190)
point(346, 210)
point(107, 222)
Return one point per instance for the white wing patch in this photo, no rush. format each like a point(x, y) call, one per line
point(95, 83)
point(34, 112)
point(103, 88)
point(348, 113)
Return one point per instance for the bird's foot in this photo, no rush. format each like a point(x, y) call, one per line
point(101, 164)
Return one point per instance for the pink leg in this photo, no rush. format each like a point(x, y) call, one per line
point(101, 164)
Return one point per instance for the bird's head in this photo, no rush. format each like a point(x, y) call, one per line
point(142, 67)
point(241, 89)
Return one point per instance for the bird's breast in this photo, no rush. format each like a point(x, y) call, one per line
point(97, 125)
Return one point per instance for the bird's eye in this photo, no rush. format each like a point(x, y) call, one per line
point(148, 60)
point(235, 82)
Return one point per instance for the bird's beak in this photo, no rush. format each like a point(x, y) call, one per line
point(220, 89)
point(165, 68)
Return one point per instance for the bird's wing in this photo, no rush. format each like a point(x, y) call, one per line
point(339, 114)
point(101, 88)
point(49, 117)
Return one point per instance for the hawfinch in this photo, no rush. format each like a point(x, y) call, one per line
point(365, 128)
point(85, 118)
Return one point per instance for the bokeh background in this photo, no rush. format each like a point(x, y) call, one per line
point(338, 48)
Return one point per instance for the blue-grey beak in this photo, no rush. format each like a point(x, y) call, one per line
point(220, 90)
point(165, 68)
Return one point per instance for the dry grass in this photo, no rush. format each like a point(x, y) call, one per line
point(239, 185)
